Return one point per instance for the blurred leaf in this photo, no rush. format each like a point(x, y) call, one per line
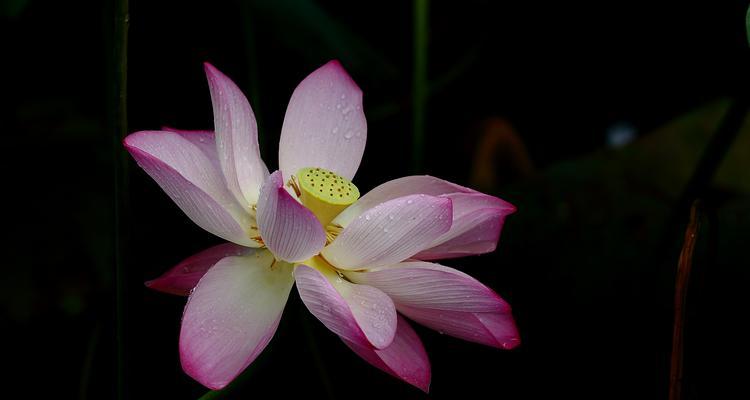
point(664, 160)
point(667, 158)
point(598, 217)
point(12, 8)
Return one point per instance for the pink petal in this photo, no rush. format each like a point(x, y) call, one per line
point(408, 185)
point(446, 300)
point(405, 358)
point(496, 329)
point(390, 232)
point(289, 230)
point(232, 315)
point(427, 285)
point(183, 277)
point(189, 177)
point(358, 313)
point(477, 217)
point(236, 138)
point(204, 140)
point(324, 124)
point(477, 222)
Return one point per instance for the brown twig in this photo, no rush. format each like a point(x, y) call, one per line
point(684, 266)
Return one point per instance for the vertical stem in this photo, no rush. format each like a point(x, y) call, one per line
point(120, 128)
point(684, 266)
point(88, 362)
point(700, 180)
point(419, 88)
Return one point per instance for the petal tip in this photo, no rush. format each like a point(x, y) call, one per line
point(213, 74)
point(160, 286)
point(511, 343)
point(337, 68)
point(209, 68)
point(511, 209)
point(127, 141)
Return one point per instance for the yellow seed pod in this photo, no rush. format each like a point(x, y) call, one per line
point(325, 193)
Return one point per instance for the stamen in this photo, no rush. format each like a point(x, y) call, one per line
point(294, 185)
point(332, 231)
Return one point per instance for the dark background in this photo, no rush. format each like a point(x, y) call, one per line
point(588, 261)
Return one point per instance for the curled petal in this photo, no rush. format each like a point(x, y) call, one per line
point(496, 329)
point(183, 277)
point(236, 138)
point(390, 232)
point(232, 315)
point(405, 358)
point(446, 300)
point(427, 285)
point(360, 314)
point(188, 175)
point(477, 222)
point(477, 217)
point(408, 185)
point(324, 125)
point(289, 230)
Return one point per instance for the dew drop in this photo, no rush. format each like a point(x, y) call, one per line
point(348, 135)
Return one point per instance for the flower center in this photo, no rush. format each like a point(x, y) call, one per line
point(325, 193)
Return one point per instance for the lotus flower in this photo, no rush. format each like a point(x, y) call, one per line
point(362, 265)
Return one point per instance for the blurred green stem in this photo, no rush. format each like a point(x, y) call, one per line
point(419, 88)
point(251, 53)
point(88, 361)
point(119, 105)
